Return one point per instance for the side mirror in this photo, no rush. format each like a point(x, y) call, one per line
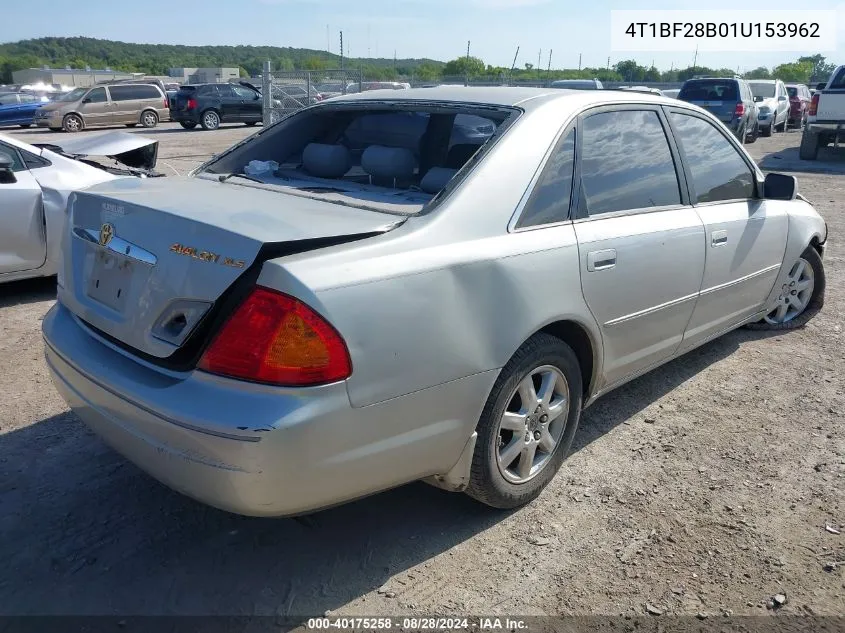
point(780, 187)
point(86, 100)
point(821, 86)
point(782, 98)
point(757, 99)
point(7, 176)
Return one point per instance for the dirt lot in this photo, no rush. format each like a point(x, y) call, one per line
point(706, 486)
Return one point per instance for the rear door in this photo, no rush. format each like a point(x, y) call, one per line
point(96, 108)
point(9, 109)
point(745, 236)
point(230, 103)
point(124, 104)
point(641, 244)
point(22, 239)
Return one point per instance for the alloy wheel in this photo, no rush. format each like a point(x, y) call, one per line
point(532, 424)
point(795, 294)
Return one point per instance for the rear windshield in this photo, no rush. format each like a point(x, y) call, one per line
point(391, 159)
point(838, 82)
point(575, 84)
point(793, 92)
point(709, 90)
point(762, 90)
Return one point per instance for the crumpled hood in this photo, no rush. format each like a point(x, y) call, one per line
point(129, 149)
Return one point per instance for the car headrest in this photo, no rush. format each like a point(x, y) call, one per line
point(326, 161)
point(436, 178)
point(388, 162)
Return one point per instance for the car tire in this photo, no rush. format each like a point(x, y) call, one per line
point(767, 131)
point(149, 118)
point(755, 134)
point(131, 124)
point(794, 318)
point(188, 125)
point(809, 148)
point(500, 450)
point(210, 120)
point(73, 123)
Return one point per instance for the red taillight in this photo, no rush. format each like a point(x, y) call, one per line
point(274, 338)
point(166, 103)
point(740, 109)
point(192, 104)
point(814, 105)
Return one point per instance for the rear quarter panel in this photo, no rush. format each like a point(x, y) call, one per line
point(450, 294)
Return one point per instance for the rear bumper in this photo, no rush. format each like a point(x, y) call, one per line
point(827, 126)
point(252, 449)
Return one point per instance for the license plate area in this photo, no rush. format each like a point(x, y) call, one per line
point(110, 278)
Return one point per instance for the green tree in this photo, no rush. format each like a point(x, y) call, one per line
point(797, 71)
point(759, 73)
point(821, 69)
point(464, 67)
point(630, 70)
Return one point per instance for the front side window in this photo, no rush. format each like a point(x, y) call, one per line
point(245, 93)
point(626, 162)
point(549, 202)
point(97, 95)
point(717, 169)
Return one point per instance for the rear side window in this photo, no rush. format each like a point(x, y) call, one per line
point(793, 92)
point(709, 90)
point(549, 202)
point(626, 162)
point(8, 99)
point(12, 154)
point(130, 93)
point(97, 95)
point(717, 169)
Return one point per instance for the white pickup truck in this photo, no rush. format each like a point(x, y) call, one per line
point(826, 116)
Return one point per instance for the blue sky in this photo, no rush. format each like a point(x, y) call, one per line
point(414, 28)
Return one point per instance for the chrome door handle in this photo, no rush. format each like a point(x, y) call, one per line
point(718, 238)
point(601, 260)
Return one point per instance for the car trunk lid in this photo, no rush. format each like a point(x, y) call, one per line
point(148, 260)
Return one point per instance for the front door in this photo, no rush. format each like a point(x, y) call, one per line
point(230, 103)
point(745, 235)
point(251, 104)
point(96, 108)
point(641, 244)
point(22, 240)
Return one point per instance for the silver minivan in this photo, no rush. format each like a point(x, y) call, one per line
point(130, 104)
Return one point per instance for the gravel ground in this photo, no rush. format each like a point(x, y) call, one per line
point(708, 486)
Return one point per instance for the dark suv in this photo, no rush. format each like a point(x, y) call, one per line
point(729, 99)
point(209, 105)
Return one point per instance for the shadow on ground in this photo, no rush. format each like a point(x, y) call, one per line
point(27, 291)
point(830, 160)
point(85, 532)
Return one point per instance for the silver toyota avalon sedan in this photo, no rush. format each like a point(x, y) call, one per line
point(419, 284)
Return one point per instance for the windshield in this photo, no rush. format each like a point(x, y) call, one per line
point(765, 91)
point(73, 95)
point(709, 90)
point(393, 159)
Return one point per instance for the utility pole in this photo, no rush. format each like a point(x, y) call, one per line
point(467, 50)
point(549, 69)
point(608, 62)
point(515, 55)
point(579, 61)
point(341, 50)
point(695, 59)
point(394, 62)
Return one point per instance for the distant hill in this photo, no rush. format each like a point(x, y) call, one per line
point(155, 59)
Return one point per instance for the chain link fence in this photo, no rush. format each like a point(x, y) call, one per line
point(286, 91)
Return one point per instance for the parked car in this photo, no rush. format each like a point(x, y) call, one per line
point(577, 84)
point(18, 108)
point(209, 105)
point(361, 317)
point(672, 92)
point(799, 104)
point(35, 182)
point(825, 116)
point(729, 99)
point(771, 98)
point(377, 85)
point(124, 103)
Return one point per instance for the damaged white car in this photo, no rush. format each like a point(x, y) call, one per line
point(35, 182)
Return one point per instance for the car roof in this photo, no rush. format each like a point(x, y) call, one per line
point(763, 81)
point(526, 98)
